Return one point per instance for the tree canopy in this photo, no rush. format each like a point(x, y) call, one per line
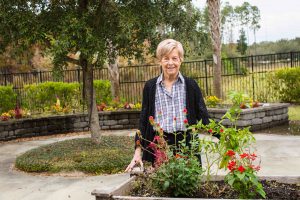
point(96, 30)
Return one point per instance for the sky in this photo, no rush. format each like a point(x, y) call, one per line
point(279, 19)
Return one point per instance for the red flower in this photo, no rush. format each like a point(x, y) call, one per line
point(256, 168)
point(156, 138)
point(241, 169)
point(231, 165)
point(253, 156)
point(221, 130)
point(210, 130)
point(185, 111)
point(160, 158)
point(151, 118)
point(230, 153)
point(174, 118)
point(152, 146)
point(185, 121)
point(244, 155)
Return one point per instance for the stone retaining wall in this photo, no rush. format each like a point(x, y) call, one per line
point(258, 118)
point(66, 123)
point(262, 117)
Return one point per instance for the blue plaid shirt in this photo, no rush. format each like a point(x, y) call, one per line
point(170, 105)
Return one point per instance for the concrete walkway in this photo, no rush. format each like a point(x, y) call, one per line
point(280, 155)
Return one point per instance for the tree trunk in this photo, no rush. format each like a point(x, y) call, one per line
point(114, 76)
point(215, 29)
point(113, 69)
point(89, 96)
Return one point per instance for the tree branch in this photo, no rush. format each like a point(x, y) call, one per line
point(72, 60)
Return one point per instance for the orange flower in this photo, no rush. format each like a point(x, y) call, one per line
point(138, 143)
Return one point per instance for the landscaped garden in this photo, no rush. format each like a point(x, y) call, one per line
point(176, 174)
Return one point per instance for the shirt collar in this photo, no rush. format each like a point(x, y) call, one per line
point(160, 78)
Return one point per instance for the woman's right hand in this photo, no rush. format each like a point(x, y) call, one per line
point(137, 159)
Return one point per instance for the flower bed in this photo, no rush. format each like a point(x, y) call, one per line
point(276, 187)
point(258, 118)
point(178, 170)
point(267, 115)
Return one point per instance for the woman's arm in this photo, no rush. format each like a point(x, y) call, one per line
point(137, 157)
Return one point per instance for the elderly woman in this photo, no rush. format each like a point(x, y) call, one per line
point(168, 97)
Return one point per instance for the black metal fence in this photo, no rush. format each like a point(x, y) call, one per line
point(247, 74)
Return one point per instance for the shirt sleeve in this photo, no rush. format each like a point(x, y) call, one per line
point(201, 110)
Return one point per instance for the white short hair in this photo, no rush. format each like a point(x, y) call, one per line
point(166, 46)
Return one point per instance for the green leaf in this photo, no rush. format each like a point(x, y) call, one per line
point(261, 192)
point(166, 185)
point(240, 175)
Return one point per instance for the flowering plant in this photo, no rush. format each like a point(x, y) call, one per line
point(177, 170)
point(212, 101)
point(57, 108)
point(177, 164)
point(5, 116)
point(242, 176)
point(243, 100)
point(116, 104)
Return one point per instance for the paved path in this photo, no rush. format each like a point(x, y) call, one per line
point(280, 155)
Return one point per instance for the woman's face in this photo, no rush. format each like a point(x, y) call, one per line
point(171, 63)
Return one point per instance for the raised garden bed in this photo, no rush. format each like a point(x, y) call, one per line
point(29, 127)
point(276, 187)
point(265, 116)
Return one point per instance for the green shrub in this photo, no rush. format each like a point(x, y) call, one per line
point(178, 177)
point(40, 96)
point(112, 155)
point(43, 95)
point(286, 84)
point(7, 98)
point(102, 91)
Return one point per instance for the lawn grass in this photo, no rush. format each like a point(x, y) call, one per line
point(294, 112)
point(112, 155)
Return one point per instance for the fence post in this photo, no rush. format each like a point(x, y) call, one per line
point(40, 75)
point(252, 68)
point(206, 78)
point(78, 74)
point(291, 59)
point(5, 81)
